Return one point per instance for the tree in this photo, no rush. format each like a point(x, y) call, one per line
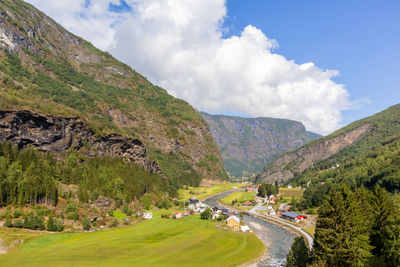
point(391, 236)
point(299, 254)
point(341, 235)
point(206, 214)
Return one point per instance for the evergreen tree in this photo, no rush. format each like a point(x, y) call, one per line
point(381, 205)
point(341, 236)
point(299, 254)
point(391, 236)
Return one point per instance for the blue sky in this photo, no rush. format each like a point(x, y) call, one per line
point(360, 39)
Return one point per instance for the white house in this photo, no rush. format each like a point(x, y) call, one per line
point(191, 206)
point(147, 215)
point(215, 216)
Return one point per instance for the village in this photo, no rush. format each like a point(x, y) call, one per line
point(268, 205)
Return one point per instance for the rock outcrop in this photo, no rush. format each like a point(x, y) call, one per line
point(286, 165)
point(57, 135)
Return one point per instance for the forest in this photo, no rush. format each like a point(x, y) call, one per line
point(354, 228)
point(28, 176)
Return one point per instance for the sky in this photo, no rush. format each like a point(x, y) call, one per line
point(324, 63)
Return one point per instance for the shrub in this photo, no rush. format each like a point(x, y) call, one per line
point(114, 222)
point(18, 213)
point(8, 222)
point(86, 223)
point(73, 216)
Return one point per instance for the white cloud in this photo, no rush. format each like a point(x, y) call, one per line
point(180, 46)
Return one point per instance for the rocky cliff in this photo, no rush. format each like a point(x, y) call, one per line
point(58, 135)
point(286, 165)
point(48, 70)
point(248, 144)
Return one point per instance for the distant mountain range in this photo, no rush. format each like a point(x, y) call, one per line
point(248, 144)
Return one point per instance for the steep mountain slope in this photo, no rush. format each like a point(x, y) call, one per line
point(247, 144)
point(353, 141)
point(49, 71)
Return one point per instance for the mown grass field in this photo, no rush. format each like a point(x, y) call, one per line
point(287, 193)
point(187, 242)
point(240, 196)
point(203, 192)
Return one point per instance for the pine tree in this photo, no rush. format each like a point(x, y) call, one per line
point(341, 236)
point(381, 209)
point(391, 236)
point(299, 254)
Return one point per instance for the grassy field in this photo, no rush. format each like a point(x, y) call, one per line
point(240, 196)
point(202, 193)
point(288, 193)
point(187, 242)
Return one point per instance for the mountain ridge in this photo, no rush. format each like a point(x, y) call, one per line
point(353, 140)
point(247, 144)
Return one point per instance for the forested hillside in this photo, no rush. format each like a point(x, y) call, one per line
point(353, 141)
point(248, 144)
point(49, 71)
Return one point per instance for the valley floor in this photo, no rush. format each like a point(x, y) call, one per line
point(186, 242)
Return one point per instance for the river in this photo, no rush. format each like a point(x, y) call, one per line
point(277, 240)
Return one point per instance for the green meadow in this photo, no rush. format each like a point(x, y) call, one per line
point(240, 196)
point(186, 242)
point(204, 192)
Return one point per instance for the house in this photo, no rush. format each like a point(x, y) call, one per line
point(224, 211)
point(177, 214)
point(289, 186)
point(215, 216)
point(193, 200)
point(293, 216)
point(260, 199)
point(147, 215)
point(244, 228)
point(191, 206)
point(233, 222)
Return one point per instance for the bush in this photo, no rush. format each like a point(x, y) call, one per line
point(18, 224)
point(8, 222)
point(71, 207)
point(18, 213)
point(73, 216)
point(86, 223)
point(206, 214)
point(54, 225)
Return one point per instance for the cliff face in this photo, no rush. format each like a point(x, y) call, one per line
point(48, 70)
point(285, 165)
point(57, 135)
point(248, 144)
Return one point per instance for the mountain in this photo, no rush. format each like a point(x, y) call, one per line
point(52, 76)
point(365, 139)
point(248, 144)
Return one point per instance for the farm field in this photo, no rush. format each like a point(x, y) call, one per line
point(240, 196)
point(187, 242)
point(203, 192)
point(288, 193)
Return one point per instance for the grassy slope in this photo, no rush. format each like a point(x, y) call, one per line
point(190, 242)
point(203, 192)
